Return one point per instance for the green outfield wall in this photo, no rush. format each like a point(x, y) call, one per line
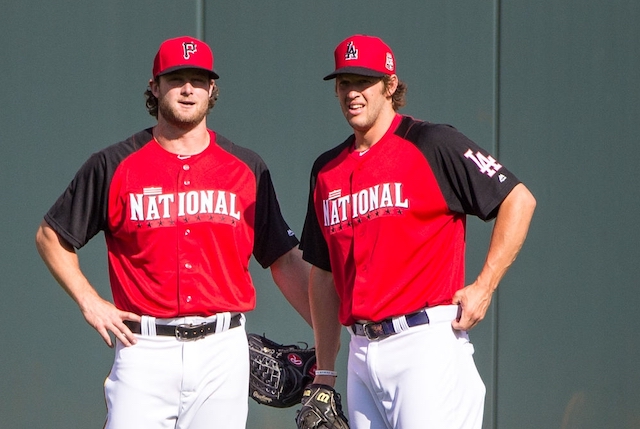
point(551, 87)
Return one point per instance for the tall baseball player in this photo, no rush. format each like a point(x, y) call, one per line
point(182, 210)
point(385, 234)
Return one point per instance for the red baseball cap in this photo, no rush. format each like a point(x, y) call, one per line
point(363, 55)
point(183, 53)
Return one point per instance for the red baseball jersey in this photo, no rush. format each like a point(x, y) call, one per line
point(180, 230)
point(390, 222)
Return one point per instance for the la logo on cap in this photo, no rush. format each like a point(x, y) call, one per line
point(352, 52)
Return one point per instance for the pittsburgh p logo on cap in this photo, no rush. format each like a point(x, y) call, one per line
point(363, 55)
point(181, 53)
point(189, 48)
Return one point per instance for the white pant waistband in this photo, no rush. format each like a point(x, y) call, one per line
point(395, 325)
point(148, 323)
point(440, 313)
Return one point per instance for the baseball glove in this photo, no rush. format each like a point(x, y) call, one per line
point(279, 373)
point(321, 409)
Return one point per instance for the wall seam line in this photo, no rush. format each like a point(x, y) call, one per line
point(200, 33)
point(496, 127)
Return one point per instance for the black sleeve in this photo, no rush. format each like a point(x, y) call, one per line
point(81, 211)
point(314, 246)
point(471, 180)
point(272, 236)
point(312, 242)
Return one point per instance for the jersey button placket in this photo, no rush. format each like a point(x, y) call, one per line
point(187, 267)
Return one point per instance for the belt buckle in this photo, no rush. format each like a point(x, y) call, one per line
point(190, 332)
point(374, 331)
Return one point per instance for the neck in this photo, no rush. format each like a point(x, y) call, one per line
point(180, 141)
point(366, 138)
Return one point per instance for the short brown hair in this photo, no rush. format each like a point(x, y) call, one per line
point(399, 98)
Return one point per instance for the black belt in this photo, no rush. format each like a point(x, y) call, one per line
point(385, 328)
point(185, 332)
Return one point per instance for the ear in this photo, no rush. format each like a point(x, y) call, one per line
point(153, 86)
point(393, 85)
point(212, 87)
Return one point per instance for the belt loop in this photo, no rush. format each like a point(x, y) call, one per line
point(400, 324)
point(148, 326)
point(223, 321)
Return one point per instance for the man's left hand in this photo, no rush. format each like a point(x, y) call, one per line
point(474, 301)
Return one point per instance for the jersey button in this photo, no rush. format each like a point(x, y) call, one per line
point(187, 182)
point(188, 299)
point(187, 232)
point(186, 167)
point(188, 266)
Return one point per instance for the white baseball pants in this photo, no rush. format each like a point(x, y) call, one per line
point(164, 383)
point(422, 378)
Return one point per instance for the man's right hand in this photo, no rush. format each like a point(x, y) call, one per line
point(105, 318)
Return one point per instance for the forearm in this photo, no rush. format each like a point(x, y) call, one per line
point(509, 232)
point(291, 274)
point(508, 236)
point(62, 261)
point(325, 304)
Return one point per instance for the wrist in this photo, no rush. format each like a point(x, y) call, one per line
point(326, 372)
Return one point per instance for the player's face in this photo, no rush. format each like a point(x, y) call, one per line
point(183, 97)
point(362, 100)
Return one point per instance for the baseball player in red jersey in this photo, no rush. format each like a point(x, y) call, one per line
point(385, 234)
point(182, 210)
